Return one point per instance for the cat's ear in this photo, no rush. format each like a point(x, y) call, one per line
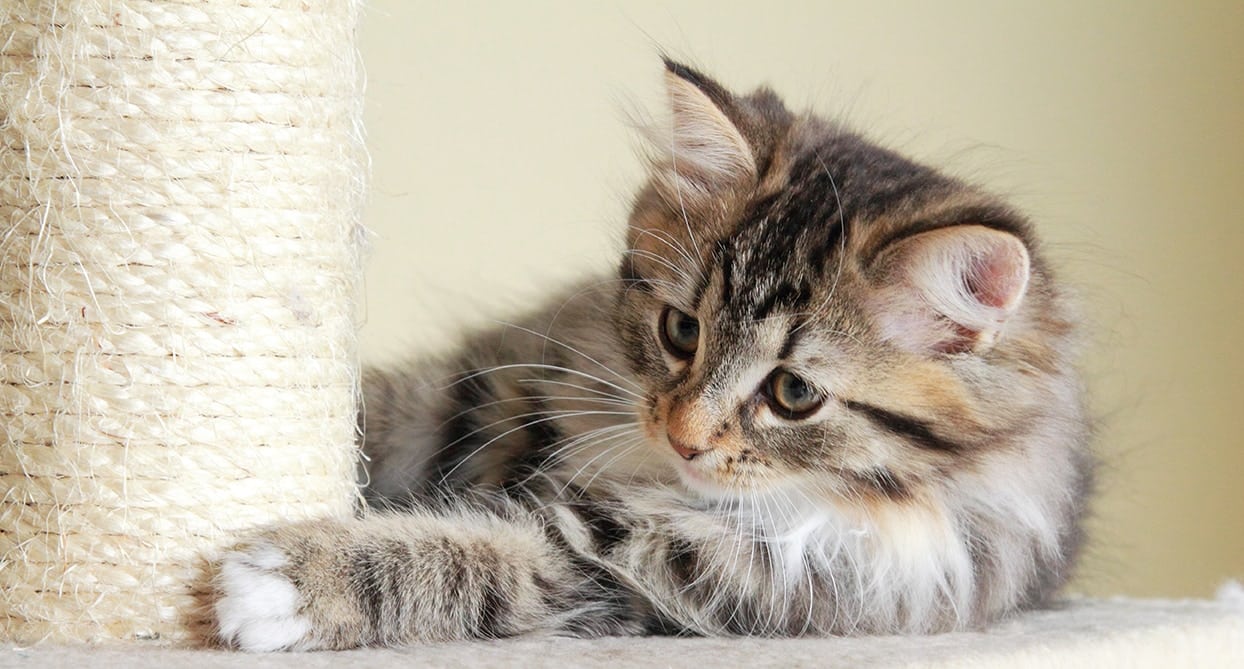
point(951, 290)
point(705, 150)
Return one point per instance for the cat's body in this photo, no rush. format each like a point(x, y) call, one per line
point(829, 391)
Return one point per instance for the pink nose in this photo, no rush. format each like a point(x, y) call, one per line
point(684, 451)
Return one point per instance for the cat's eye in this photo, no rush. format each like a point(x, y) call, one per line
point(680, 332)
point(791, 397)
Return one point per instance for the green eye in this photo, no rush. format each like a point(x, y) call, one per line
point(792, 397)
point(679, 332)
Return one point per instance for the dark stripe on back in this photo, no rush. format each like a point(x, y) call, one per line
point(914, 430)
point(458, 436)
point(606, 531)
point(542, 430)
point(542, 433)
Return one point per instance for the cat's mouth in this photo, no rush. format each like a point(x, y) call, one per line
point(705, 477)
point(702, 483)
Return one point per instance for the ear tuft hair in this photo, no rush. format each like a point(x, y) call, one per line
point(704, 150)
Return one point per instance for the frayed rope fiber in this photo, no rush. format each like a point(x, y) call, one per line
point(180, 184)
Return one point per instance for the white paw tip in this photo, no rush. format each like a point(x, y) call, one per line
point(258, 606)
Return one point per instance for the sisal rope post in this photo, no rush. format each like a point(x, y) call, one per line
point(180, 185)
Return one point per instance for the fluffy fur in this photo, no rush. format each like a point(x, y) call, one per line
point(629, 459)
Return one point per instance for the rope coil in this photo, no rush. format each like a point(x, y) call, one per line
point(180, 186)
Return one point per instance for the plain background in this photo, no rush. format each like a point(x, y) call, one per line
point(503, 163)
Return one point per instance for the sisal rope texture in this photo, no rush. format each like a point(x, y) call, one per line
point(180, 184)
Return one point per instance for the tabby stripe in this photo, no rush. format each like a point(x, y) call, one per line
point(883, 481)
point(606, 531)
point(684, 561)
point(701, 285)
point(915, 430)
point(829, 244)
point(726, 261)
point(456, 435)
point(793, 333)
point(542, 431)
point(457, 574)
point(786, 296)
point(614, 602)
point(368, 585)
point(494, 606)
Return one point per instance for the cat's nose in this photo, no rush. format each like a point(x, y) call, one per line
point(684, 451)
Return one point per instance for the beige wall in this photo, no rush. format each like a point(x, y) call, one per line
point(502, 164)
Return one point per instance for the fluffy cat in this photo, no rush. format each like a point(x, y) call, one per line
point(828, 391)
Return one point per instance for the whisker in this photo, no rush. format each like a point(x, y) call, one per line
point(572, 349)
point(573, 445)
point(669, 240)
point(639, 467)
point(547, 418)
point(587, 464)
point(596, 391)
point(678, 271)
point(627, 451)
point(530, 398)
point(556, 314)
point(533, 365)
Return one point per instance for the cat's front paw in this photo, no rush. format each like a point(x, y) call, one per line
point(258, 608)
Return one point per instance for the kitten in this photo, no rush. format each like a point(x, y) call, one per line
point(828, 391)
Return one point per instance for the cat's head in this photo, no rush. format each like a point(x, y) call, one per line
point(808, 310)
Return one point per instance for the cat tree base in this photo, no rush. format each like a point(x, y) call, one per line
point(1082, 633)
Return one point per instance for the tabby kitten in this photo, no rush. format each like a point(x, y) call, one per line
point(828, 391)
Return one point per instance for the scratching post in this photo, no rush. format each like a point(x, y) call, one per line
point(179, 191)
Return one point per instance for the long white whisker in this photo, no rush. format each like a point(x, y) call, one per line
point(771, 522)
point(667, 239)
point(574, 350)
point(603, 394)
point(571, 445)
point(530, 398)
point(584, 466)
point(599, 470)
point(678, 271)
point(547, 418)
point(548, 329)
point(532, 365)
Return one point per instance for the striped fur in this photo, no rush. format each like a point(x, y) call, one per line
point(529, 482)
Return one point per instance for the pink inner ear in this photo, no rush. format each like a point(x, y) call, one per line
point(951, 290)
point(998, 277)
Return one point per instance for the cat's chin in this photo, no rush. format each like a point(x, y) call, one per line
point(700, 483)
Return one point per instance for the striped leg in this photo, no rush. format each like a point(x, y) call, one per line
point(396, 579)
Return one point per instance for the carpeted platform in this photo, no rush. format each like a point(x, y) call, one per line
point(1082, 633)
